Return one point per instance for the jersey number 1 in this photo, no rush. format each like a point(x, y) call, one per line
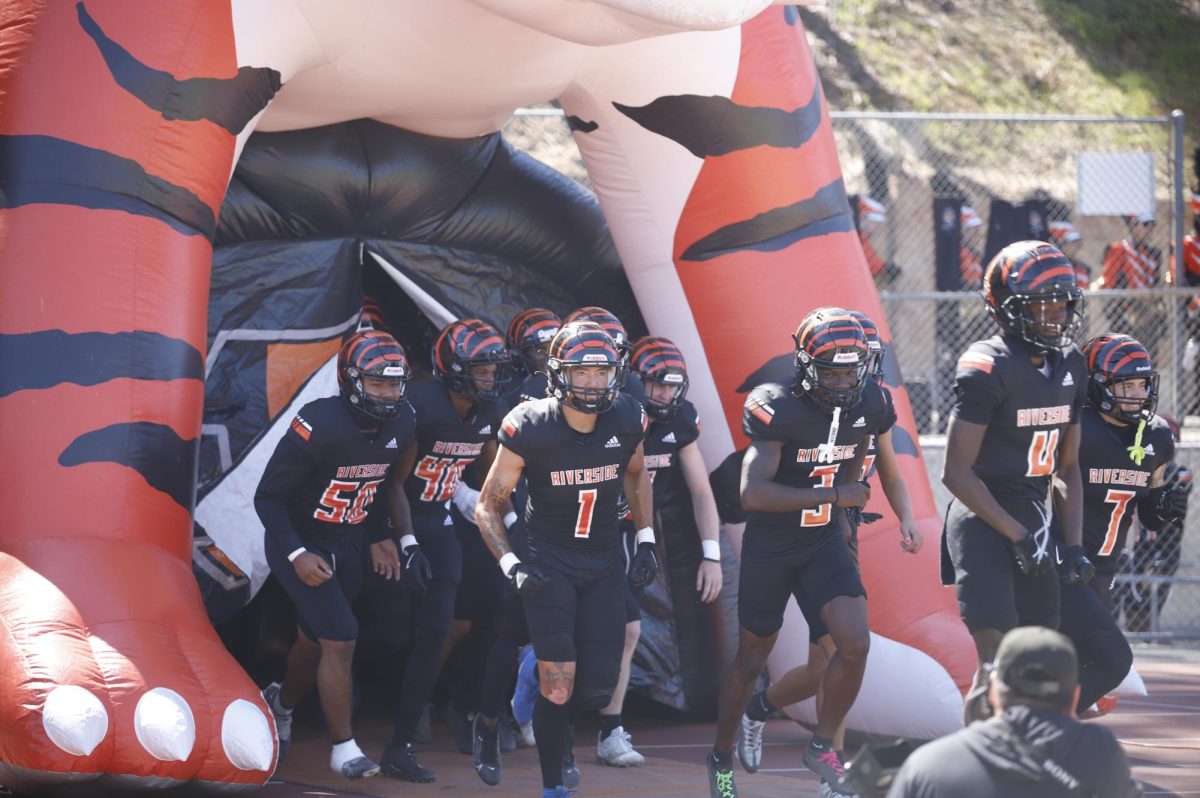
point(583, 522)
point(1043, 450)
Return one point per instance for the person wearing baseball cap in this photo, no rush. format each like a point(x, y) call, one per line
point(1033, 746)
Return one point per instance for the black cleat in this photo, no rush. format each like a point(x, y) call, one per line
point(399, 762)
point(720, 779)
point(460, 722)
point(359, 768)
point(485, 751)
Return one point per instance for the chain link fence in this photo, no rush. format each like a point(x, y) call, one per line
point(896, 166)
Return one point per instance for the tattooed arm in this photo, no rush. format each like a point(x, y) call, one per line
point(494, 498)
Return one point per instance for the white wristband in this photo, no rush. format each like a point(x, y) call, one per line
point(510, 518)
point(507, 561)
point(292, 557)
point(408, 540)
point(712, 550)
point(645, 535)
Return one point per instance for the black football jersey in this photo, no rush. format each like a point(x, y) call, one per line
point(532, 387)
point(1025, 411)
point(663, 441)
point(574, 480)
point(772, 412)
point(1113, 484)
point(446, 444)
point(889, 421)
point(323, 477)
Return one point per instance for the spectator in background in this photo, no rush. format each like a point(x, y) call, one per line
point(870, 217)
point(1066, 237)
point(1033, 747)
point(969, 264)
point(1191, 277)
point(1133, 262)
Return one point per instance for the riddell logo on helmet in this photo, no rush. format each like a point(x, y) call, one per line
point(846, 357)
point(595, 358)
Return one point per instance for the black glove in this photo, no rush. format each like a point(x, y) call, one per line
point(526, 579)
point(1031, 561)
point(1172, 502)
point(644, 567)
point(417, 571)
point(1074, 566)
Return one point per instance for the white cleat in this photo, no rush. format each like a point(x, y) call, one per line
point(246, 736)
point(74, 719)
point(164, 725)
point(750, 742)
point(617, 750)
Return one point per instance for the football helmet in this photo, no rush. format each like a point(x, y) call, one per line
point(1114, 358)
point(874, 343)
point(832, 358)
point(464, 345)
point(529, 335)
point(374, 355)
point(1025, 278)
point(607, 321)
point(577, 345)
point(659, 361)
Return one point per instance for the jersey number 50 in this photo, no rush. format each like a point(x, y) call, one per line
point(352, 509)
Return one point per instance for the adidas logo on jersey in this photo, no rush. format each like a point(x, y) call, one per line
point(862, 422)
point(391, 444)
point(1068, 380)
point(669, 438)
point(487, 430)
point(1149, 449)
point(613, 443)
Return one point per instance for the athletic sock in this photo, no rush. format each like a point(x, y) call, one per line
point(550, 723)
point(277, 704)
point(609, 724)
point(759, 707)
point(821, 743)
point(343, 752)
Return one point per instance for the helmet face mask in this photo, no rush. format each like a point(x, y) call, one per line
point(832, 359)
point(661, 366)
point(1031, 291)
point(373, 374)
point(584, 368)
point(612, 327)
point(469, 357)
point(1122, 382)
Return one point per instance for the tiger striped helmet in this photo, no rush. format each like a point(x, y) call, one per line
point(607, 321)
point(1113, 358)
point(374, 355)
point(529, 335)
point(658, 360)
point(579, 345)
point(832, 358)
point(874, 343)
point(461, 348)
point(1023, 278)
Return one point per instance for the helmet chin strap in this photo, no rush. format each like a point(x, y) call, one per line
point(825, 450)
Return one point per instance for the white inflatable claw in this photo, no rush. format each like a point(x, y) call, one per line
point(246, 736)
point(164, 725)
point(74, 719)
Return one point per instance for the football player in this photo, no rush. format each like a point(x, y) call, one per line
point(1124, 452)
point(803, 682)
point(458, 411)
point(577, 448)
point(808, 443)
point(1015, 426)
point(315, 500)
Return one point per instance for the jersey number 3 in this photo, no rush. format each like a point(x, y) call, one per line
point(1043, 450)
point(822, 478)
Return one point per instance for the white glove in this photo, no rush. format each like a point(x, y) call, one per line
point(464, 499)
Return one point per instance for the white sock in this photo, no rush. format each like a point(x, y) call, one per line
point(277, 706)
point(343, 753)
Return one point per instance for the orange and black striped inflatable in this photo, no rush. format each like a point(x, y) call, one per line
point(707, 138)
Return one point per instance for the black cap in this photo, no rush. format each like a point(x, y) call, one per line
point(1038, 663)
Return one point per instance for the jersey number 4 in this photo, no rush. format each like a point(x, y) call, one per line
point(822, 478)
point(1043, 450)
point(346, 502)
point(1120, 500)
